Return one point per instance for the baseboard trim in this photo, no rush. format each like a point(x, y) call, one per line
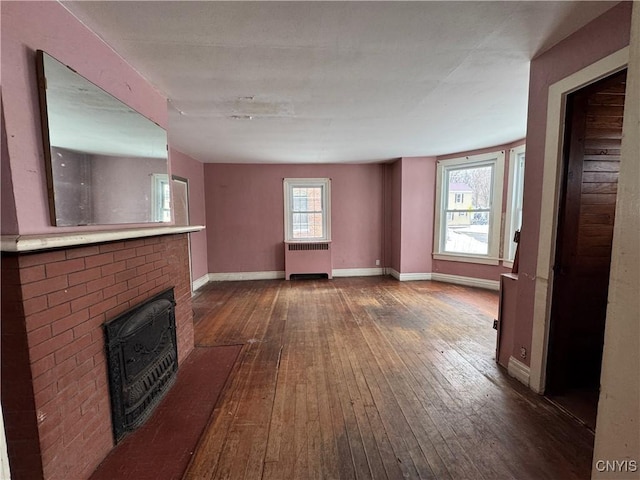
point(358, 272)
point(518, 370)
point(467, 281)
point(274, 275)
point(407, 277)
point(200, 282)
point(394, 273)
point(238, 276)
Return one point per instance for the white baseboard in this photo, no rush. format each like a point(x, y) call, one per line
point(234, 276)
point(467, 281)
point(200, 282)
point(408, 277)
point(394, 273)
point(273, 275)
point(358, 272)
point(518, 370)
point(352, 272)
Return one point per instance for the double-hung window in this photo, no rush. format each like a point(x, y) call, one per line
point(307, 209)
point(468, 208)
point(513, 218)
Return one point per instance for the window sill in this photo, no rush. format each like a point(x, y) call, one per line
point(452, 257)
point(507, 263)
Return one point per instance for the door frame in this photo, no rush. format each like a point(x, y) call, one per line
point(550, 203)
point(176, 178)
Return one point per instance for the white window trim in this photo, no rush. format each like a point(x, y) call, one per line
point(492, 257)
point(157, 179)
point(509, 231)
point(288, 185)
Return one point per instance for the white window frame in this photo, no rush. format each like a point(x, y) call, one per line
point(158, 212)
point(514, 202)
point(289, 184)
point(495, 159)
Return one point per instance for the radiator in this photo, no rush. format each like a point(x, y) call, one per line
point(307, 258)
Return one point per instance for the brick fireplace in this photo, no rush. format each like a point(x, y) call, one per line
point(54, 376)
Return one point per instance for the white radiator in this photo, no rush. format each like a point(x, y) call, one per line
point(307, 258)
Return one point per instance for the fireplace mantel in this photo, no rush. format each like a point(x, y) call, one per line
point(29, 243)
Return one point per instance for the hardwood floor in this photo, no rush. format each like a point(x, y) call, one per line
point(373, 378)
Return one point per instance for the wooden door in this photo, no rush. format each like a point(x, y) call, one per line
point(584, 234)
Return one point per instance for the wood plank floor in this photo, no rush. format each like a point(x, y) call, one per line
point(371, 378)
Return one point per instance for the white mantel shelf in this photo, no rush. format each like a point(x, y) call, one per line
point(29, 243)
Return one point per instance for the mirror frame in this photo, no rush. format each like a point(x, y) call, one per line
point(47, 147)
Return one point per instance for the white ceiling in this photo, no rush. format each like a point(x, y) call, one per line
point(329, 82)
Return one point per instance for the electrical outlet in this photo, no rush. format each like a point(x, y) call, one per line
point(523, 352)
point(378, 263)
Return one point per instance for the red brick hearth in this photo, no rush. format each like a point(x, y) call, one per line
point(54, 379)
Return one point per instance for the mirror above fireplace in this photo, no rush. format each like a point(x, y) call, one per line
point(105, 162)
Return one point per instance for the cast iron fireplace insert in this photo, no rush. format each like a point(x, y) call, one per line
point(142, 360)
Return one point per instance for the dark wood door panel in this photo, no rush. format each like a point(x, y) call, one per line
point(585, 234)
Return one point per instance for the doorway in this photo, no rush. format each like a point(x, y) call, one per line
point(584, 236)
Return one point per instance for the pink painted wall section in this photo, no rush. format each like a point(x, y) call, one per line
point(393, 216)
point(245, 214)
point(186, 167)
point(418, 197)
point(134, 176)
point(604, 36)
point(27, 27)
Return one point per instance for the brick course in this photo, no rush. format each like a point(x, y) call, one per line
point(66, 296)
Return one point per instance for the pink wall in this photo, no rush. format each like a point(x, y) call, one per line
point(186, 167)
point(603, 36)
point(393, 215)
point(418, 196)
point(132, 201)
point(245, 214)
point(27, 26)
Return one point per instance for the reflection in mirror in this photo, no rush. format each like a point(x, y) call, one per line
point(106, 163)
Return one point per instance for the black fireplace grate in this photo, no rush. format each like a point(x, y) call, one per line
point(142, 360)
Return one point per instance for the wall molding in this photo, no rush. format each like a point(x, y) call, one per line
point(518, 370)
point(200, 282)
point(394, 273)
point(353, 272)
point(467, 281)
point(409, 277)
point(236, 276)
point(358, 272)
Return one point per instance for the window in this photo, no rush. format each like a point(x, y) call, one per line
point(513, 218)
point(307, 211)
point(161, 198)
point(468, 207)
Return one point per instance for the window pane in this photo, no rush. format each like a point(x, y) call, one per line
point(307, 199)
point(467, 232)
point(315, 225)
point(469, 188)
